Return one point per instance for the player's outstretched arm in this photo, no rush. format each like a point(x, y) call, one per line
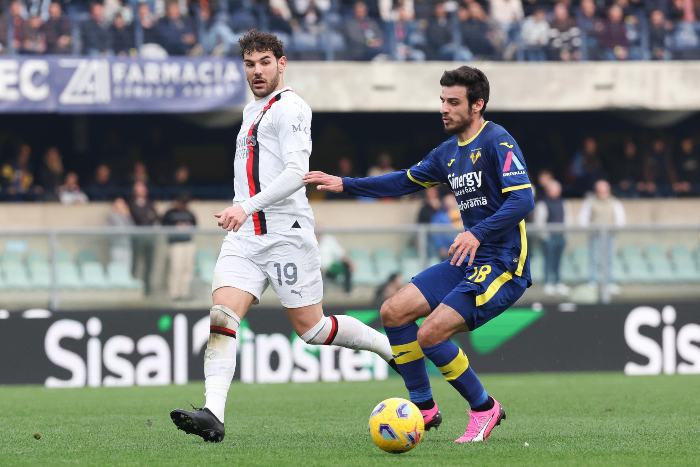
point(383, 186)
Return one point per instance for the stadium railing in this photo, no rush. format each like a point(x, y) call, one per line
point(106, 268)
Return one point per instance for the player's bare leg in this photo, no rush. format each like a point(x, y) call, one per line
point(230, 307)
point(399, 314)
point(433, 336)
point(313, 327)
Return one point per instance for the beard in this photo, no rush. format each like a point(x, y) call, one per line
point(271, 86)
point(463, 125)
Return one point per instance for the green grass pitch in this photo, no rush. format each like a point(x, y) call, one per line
point(565, 419)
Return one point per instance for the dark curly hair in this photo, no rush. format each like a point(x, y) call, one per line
point(471, 78)
point(257, 41)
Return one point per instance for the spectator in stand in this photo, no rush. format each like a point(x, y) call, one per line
point(70, 192)
point(565, 36)
point(430, 206)
point(102, 187)
point(279, 22)
point(181, 249)
point(181, 181)
point(121, 36)
point(590, 26)
point(586, 167)
point(659, 34)
point(383, 166)
point(33, 37)
point(51, 174)
point(139, 173)
point(506, 13)
point(687, 35)
point(15, 15)
point(407, 36)
point(658, 173)
point(447, 215)
point(58, 31)
point(364, 36)
point(216, 36)
point(177, 33)
point(612, 38)
point(147, 33)
point(440, 41)
point(550, 210)
point(16, 178)
point(687, 167)
point(535, 36)
point(601, 209)
point(119, 217)
point(477, 34)
point(335, 263)
point(345, 169)
point(144, 214)
point(629, 173)
point(95, 32)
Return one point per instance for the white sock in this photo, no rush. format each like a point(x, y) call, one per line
point(220, 358)
point(349, 332)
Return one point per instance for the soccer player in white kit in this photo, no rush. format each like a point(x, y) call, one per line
point(271, 236)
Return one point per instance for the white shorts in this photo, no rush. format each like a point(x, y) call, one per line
point(290, 261)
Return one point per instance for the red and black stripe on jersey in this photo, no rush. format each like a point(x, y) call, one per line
point(253, 165)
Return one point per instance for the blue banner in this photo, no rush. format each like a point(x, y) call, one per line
point(120, 85)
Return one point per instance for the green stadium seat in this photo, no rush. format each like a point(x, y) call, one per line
point(410, 267)
point(537, 268)
point(660, 264)
point(365, 273)
point(15, 275)
point(86, 256)
point(36, 256)
point(39, 273)
point(386, 263)
point(684, 265)
point(93, 275)
point(67, 275)
point(119, 277)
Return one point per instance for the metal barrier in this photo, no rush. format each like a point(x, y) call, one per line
point(131, 267)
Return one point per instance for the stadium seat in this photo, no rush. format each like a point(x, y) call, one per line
point(67, 275)
point(15, 274)
point(119, 276)
point(684, 265)
point(386, 263)
point(364, 273)
point(537, 268)
point(410, 267)
point(85, 256)
point(93, 275)
point(39, 273)
point(660, 264)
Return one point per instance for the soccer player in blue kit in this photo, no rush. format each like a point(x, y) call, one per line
point(489, 268)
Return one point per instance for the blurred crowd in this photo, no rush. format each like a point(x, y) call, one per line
point(526, 30)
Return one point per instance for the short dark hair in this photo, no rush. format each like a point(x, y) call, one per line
point(473, 79)
point(257, 41)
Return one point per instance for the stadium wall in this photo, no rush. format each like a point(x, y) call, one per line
point(147, 347)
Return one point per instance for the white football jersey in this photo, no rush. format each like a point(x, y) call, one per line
point(272, 128)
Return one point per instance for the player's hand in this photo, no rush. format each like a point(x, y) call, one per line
point(231, 218)
point(324, 181)
point(464, 244)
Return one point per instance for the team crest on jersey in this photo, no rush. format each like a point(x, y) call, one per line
point(251, 140)
point(474, 156)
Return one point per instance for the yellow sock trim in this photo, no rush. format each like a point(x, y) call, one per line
point(406, 353)
point(456, 367)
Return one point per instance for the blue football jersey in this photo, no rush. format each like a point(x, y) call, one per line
point(482, 172)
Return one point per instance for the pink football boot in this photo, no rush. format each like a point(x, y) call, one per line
point(481, 424)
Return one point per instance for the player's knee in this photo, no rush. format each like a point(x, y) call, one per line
point(390, 314)
point(429, 335)
point(224, 317)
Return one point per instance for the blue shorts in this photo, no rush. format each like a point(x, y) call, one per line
point(479, 292)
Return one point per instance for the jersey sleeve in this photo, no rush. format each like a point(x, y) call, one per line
point(427, 172)
point(294, 127)
point(510, 164)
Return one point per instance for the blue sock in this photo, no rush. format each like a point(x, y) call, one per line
point(454, 366)
point(409, 358)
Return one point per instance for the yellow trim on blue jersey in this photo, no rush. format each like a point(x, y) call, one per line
point(423, 184)
point(523, 248)
point(516, 187)
point(456, 367)
point(493, 288)
point(406, 353)
point(464, 143)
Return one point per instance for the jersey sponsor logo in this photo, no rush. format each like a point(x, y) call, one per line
point(449, 164)
point(472, 203)
point(300, 129)
point(512, 159)
point(469, 179)
point(509, 146)
point(474, 156)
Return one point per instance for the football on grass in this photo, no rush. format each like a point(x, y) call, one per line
point(396, 425)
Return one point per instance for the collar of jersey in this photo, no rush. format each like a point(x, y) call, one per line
point(271, 96)
point(464, 143)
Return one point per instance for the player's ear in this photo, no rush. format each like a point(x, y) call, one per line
point(282, 63)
